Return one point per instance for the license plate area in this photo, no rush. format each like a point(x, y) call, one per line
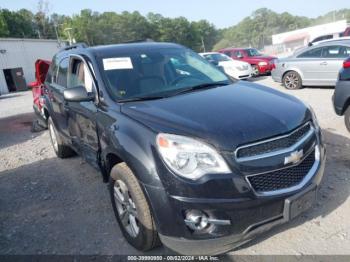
point(299, 203)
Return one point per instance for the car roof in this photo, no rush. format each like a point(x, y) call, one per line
point(209, 53)
point(339, 39)
point(105, 50)
point(236, 48)
point(328, 43)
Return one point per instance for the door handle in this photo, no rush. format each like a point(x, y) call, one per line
point(324, 63)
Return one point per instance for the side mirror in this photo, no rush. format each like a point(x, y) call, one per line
point(239, 56)
point(77, 94)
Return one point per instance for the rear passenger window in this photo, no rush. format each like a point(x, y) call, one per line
point(313, 53)
point(336, 51)
point(62, 72)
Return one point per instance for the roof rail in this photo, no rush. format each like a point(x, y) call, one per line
point(138, 41)
point(78, 45)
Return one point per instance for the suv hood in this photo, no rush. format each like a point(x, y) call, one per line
point(232, 63)
point(226, 116)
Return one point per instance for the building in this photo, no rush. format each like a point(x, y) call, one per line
point(17, 58)
point(288, 42)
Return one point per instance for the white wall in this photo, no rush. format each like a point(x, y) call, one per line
point(23, 53)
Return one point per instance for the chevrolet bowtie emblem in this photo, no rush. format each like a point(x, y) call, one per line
point(294, 157)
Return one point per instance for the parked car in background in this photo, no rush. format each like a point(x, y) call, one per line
point(341, 97)
point(234, 68)
point(316, 65)
point(261, 64)
point(41, 68)
point(193, 158)
point(322, 38)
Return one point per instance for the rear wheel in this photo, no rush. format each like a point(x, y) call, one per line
point(347, 118)
point(61, 150)
point(292, 80)
point(131, 209)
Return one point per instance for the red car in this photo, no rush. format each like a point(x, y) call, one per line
point(41, 68)
point(260, 63)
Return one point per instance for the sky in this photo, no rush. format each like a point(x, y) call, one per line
point(222, 13)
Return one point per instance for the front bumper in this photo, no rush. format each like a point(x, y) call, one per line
point(265, 69)
point(249, 217)
point(217, 246)
point(276, 75)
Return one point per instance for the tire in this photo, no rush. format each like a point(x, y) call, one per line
point(292, 80)
point(124, 186)
point(347, 118)
point(61, 150)
point(255, 71)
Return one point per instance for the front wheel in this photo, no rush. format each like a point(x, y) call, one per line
point(347, 118)
point(255, 70)
point(131, 209)
point(292, 80)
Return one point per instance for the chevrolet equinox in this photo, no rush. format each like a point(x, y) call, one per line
point(194, 159)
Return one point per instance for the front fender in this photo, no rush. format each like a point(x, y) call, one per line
point(133, 143)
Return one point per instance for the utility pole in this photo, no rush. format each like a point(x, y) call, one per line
point(203, 45)
point(58, 39)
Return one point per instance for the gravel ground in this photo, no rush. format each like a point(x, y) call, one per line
point(54, 206)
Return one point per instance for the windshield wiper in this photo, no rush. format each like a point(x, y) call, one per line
point(133, 99)
point(185, 90)
point(198, 87)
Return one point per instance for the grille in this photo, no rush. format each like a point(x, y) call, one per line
point(274, 145)
point(284, 178)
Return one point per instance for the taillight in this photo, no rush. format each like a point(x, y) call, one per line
point(346, 64)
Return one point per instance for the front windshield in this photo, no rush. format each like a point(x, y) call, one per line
point(157, 72)
point(253, 52)
point(217, 57)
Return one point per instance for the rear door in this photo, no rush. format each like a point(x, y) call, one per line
point(82, 115)
point(333, 57)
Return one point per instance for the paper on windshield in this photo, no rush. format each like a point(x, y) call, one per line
point(117, 63)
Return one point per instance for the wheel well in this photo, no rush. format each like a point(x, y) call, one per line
point(46, 113)
point(346, 105)
point(111, 160)
point(291, 71)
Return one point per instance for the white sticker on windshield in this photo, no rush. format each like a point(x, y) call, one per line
point(117, 63)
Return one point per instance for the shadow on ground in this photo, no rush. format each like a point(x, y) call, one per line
point(16, 129)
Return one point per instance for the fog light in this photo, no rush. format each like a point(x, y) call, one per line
point(196, 219)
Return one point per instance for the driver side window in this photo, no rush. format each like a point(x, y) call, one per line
point(79, 75)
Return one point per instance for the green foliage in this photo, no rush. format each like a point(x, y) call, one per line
point(109, 27)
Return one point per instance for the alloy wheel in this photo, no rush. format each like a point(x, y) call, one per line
point(126, 208)
point(255, 71)
point(291, 81)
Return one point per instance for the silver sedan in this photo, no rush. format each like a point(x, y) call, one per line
point(317, 65)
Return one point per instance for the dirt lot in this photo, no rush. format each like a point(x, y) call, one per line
point(53, 206)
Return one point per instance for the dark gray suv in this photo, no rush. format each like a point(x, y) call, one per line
point(194, 159)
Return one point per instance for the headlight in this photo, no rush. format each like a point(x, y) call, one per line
point(188, 157)
point(262, 63)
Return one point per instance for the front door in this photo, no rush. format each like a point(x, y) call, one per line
point(82, 115)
